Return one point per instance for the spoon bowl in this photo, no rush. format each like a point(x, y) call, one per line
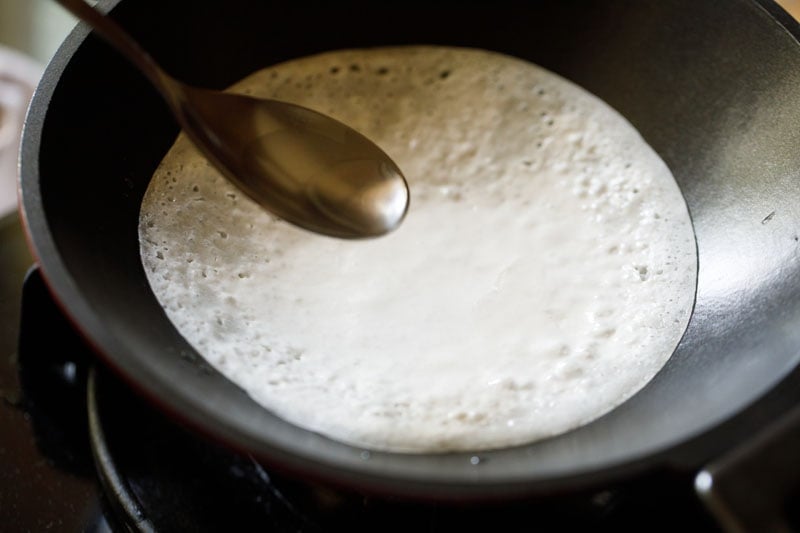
point(303, 166)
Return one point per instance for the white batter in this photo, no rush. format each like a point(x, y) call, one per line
point(544, 274)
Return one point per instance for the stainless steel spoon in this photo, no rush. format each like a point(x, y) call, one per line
point(304, 167)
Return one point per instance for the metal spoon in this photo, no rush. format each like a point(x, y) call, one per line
point(303, 166)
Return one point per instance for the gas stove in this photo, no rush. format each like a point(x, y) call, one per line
point(82, 452)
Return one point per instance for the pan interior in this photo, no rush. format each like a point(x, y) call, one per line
point(721, 107)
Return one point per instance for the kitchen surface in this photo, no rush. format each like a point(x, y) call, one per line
point(69, 462)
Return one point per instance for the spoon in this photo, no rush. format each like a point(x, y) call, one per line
point(302, 166)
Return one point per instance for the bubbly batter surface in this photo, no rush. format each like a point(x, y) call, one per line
point(545, 272)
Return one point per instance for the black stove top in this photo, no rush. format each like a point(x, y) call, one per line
point(40, 489)
point(81, 452)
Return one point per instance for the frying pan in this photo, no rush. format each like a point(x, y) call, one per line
point(714, 90)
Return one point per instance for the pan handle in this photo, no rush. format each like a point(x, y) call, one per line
point(752, 487)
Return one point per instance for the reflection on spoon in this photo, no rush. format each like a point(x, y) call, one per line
point(333, 178)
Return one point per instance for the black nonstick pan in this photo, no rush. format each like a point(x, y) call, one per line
point(714, 87)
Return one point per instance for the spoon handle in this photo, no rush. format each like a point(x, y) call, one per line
point(116, 36)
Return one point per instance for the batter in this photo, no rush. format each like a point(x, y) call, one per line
point(545, 272)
